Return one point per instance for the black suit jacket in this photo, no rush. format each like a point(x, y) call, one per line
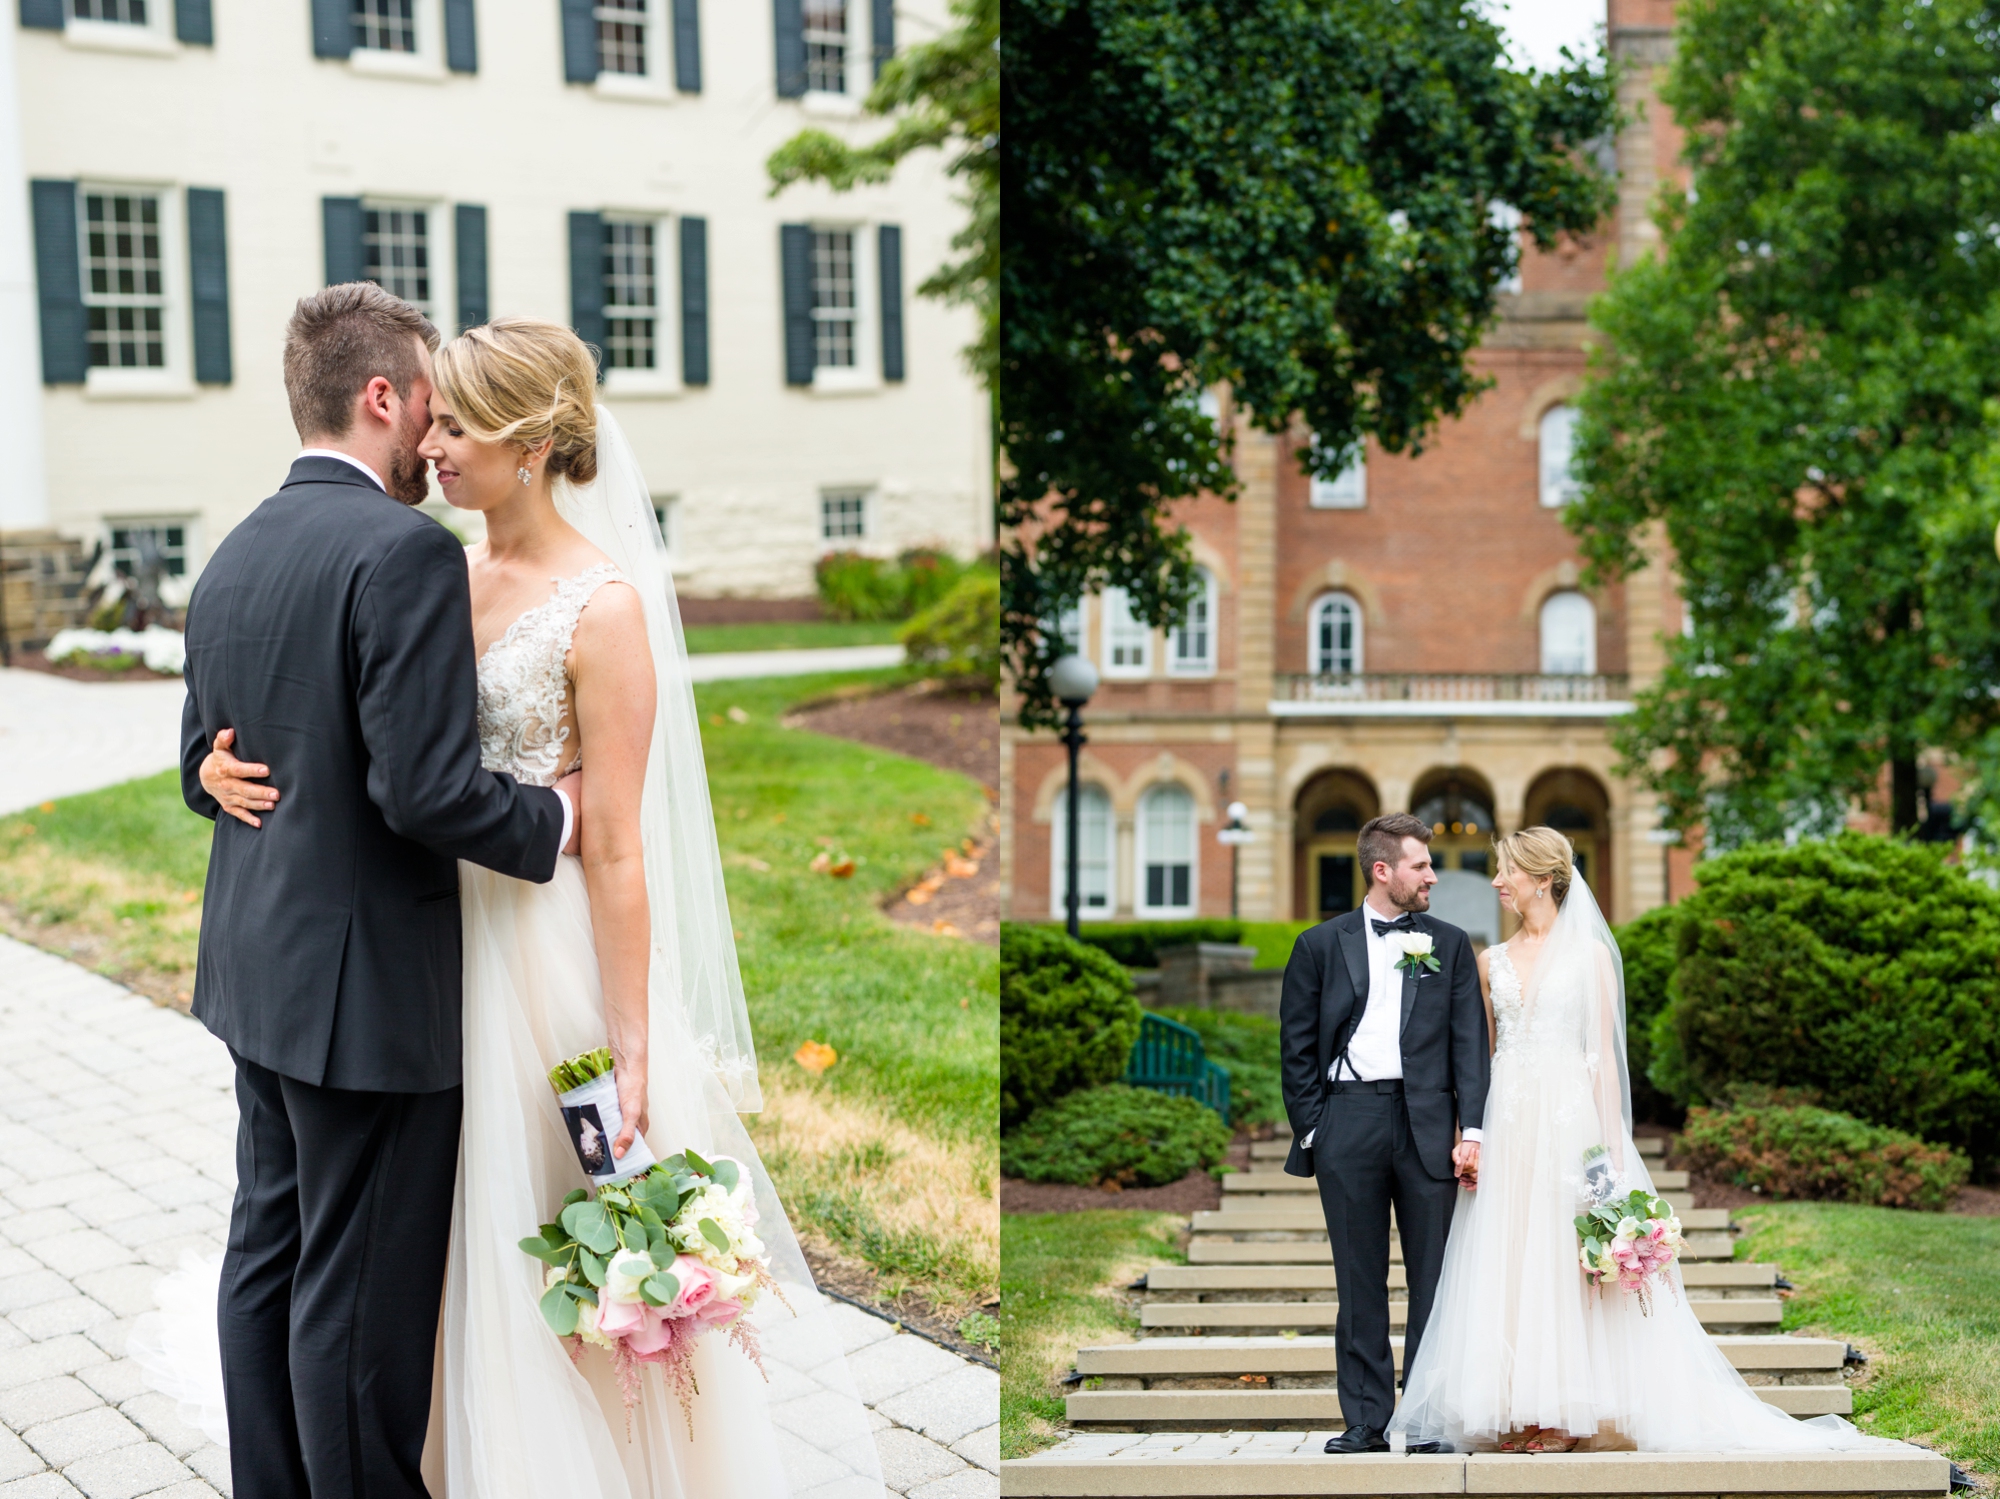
point(1445, 1055)
point(332, 630)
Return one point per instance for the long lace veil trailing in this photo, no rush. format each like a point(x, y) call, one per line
point(694, 946)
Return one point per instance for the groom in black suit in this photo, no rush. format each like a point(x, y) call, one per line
point(1385, 1065)
point(332, 630)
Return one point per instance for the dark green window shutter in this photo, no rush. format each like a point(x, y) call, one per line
point(889, 252)
point(208, 276)
point(586, 280)
point(789, 17)
point(59, 281)
point(42, 15)
point(461, 37)
point(469, 243)
point(333, 28)
point(796, 240)
point(687, 46)
point(579, 33)
point(346, 254)
point(194, 22)
point(884, 16)
point(694, 301)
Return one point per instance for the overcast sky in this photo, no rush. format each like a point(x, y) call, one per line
point(1540, 29)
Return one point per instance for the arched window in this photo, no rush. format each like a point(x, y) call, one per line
point(1336, 636)
point(1093, 842)
point(1166, 852)
point(1559, 484)
point(1569, 636)
point(1128, 642)
point(1191, 645)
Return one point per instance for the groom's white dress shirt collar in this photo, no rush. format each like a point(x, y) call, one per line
point(373, 477)
point(569, 812)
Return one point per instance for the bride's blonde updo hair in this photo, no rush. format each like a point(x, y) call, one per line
point(522, 380)
point(1540, 854)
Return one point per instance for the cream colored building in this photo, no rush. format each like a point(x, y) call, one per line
point(181, 171)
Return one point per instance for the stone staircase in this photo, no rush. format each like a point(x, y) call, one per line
point(1230, 1388)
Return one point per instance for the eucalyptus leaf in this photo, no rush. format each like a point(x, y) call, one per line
point(575, 1196)
point(593, 1266)
point(699, 1164)
point(556, 1236)
point(664, 1255)
point(540, 1251)
point(712, 1231)
point(727, 1174)
point(559, 1310)
point(665, 1285)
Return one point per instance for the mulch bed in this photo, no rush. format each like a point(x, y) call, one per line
point(922, 721)
point(852, 1281)
point(36, 661)
point(1197, 1192)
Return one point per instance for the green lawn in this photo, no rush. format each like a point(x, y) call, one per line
point(1919, 1291)
point(787, 636)
point(1060, 1274)
point(891, 1155)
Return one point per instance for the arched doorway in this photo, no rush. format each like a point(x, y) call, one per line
point(1458, 804)
point(1327, 816)
point(1575, 804)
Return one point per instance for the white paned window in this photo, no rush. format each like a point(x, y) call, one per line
point(631, 294)
point(1128, 644)
point(1069, 626)
point(836, 306)
point(113, 12)
point(1166, 852)
point(1558, 434)
point(1569, 636)
point(843, 515)
point(1191, 643)
point(827, 45)
point(385, 25)
point(125, 279)
point(622, 27)
point(163, 539)
point(1093, 854)
point(399, 258)
point(1506, 216)
point(1346, 490)
point(1336, 636)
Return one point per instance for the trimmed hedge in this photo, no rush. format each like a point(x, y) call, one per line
point(1136, 944)
point(958, 637)
point(1817, 1153)
point(1862, 968)
point(1131, 1136)
point(1247, 1048)
point(853, 586)
point(1647, 947)
point(1068, 1019)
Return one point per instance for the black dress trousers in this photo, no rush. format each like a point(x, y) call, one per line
point(1366, 1165)
point(330, 1290)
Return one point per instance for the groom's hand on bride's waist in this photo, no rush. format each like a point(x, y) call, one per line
point(570, 787)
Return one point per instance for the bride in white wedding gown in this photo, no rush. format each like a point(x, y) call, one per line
point(1520, 1353)
point(642, 918)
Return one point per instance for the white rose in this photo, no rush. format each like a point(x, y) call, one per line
point(623, 1275)
point(1411, 944)
point(586, 1327)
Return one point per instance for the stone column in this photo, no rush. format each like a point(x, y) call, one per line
point(1263, 871)
point(24, 494)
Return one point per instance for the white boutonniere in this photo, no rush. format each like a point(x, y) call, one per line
point(1415, 952)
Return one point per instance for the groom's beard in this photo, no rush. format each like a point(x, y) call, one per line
point(409, 478)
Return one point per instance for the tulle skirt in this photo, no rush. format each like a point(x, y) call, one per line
point(1517, 1338)
point(512, 1416)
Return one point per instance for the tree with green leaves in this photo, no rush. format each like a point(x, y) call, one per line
point(1309, 200)
point(939, 94)
point(1801, 390)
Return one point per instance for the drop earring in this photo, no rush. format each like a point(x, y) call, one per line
point(523, 475)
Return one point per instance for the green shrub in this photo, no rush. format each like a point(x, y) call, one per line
point(1136, 944)
point(1068, 1019)
point(854, 587)
point(1863, 968)
point(1647, 946)
point(1274, 940)
point(958, 637)
point(1817, 1153)
point(1247, 1048)
point(1132, 1136)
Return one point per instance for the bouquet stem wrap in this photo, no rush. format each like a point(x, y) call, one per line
point(587, 1089)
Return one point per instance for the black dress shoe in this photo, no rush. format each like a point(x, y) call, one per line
point(1428, 1447)
point(1358, 1439)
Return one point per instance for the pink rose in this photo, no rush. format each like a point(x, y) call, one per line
point(721, 1312)
point(617, 1319)
point(654, 1337)
point(697, 1287)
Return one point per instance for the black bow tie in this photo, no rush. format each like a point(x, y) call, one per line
point(1404, 923)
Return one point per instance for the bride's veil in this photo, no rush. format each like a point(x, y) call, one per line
point(694, 946)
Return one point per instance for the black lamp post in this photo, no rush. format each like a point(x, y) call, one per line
point(1073, 679)
point(1234, 836)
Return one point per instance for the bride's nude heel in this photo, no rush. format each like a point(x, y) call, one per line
point(1551, 1441)
point(1517, 1441)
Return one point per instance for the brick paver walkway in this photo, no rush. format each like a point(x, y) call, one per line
point(117, 1124)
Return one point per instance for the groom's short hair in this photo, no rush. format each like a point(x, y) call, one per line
point(1381, 840)
point(337, 341)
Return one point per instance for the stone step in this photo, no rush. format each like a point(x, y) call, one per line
point(1319, 1410)
point(1728, 1275)
point(1278, 1149)
point(1269, 1182)
point(1305, 1214)
point(1734, 1312)
point(1308, 1248)
point(1766, 1355)
point(1267, 1465)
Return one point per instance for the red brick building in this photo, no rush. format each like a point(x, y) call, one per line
point(1412, 636)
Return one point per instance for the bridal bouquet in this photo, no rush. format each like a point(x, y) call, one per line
point(1629, 1240)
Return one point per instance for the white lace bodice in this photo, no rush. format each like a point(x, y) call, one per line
point(1557, 1023)
point(524, 684)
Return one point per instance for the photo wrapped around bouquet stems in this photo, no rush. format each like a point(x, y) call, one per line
point(1629, 1239)
point(645, 1267)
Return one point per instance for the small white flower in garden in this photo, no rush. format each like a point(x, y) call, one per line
point(622, 1276)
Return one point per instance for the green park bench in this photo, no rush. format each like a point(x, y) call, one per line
point(1168, 1058)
